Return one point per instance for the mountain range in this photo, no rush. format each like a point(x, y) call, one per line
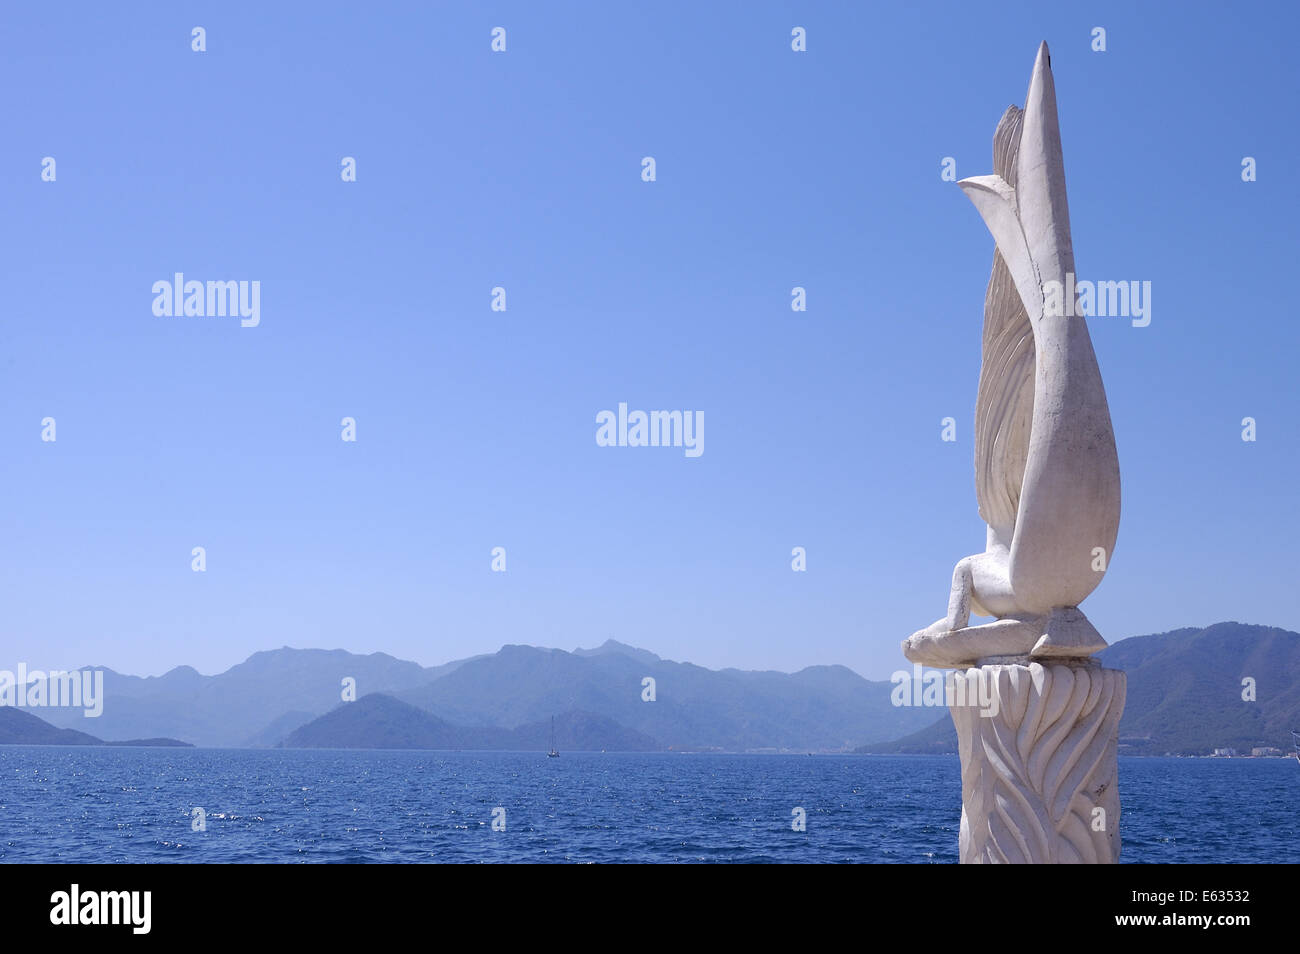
point(380, 718)
point(820, 708)
point(253, 704)
point(1185, 696)
point(263, 700)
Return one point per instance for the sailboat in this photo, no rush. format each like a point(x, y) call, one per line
point(553, 754)
point(1295, 737)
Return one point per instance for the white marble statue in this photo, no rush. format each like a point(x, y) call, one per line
point(1037, 718)
point(1046, 471)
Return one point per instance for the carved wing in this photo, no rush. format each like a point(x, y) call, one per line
point(1004, 405)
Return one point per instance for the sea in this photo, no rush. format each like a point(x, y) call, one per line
point(137, 805)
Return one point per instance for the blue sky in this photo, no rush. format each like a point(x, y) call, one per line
point(476, 429)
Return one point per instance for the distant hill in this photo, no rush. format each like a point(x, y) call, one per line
point(938, 738)
point(22, 728)
point(273, 734)
point(1185, 693)
point(381, 722)
point(643, 656)
point(1185, 687)
point(256, 702)
point(821, 708)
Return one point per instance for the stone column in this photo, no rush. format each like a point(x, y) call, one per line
point(1038, 761)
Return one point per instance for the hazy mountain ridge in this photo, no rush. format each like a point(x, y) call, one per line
point(22, 728)
point(381, 722)
point(239, 706)
point(271, 694)
point(1184, 696)
point(823, 708)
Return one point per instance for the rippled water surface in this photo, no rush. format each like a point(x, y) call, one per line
point(135, 805)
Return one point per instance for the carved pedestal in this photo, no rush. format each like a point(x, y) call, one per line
point(1038, 761)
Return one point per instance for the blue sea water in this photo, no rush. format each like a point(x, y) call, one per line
point(75, 804)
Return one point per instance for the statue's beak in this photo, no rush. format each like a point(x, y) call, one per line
point(1031, 223)
point(1040, 137)
point(1040, 176)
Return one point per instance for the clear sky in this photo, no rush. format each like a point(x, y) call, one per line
point(476, 428)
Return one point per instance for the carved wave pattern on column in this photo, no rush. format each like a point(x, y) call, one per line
point(1034, 773)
